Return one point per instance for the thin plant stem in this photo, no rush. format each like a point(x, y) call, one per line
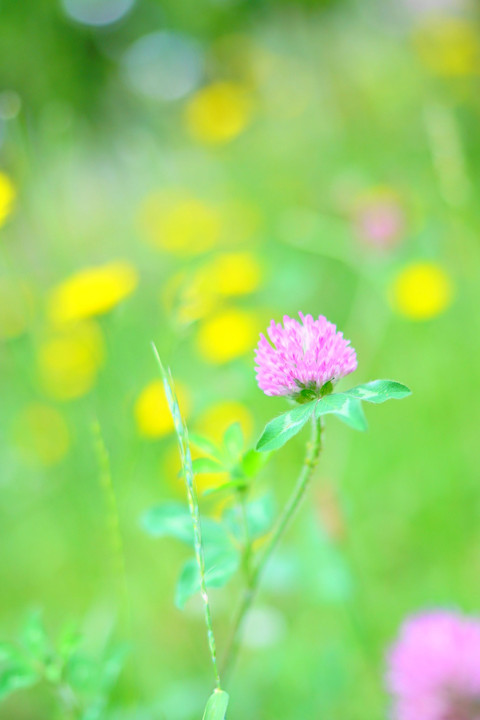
point(184, 447)
point(313, 453)
point(112, 519)
point(247, 546)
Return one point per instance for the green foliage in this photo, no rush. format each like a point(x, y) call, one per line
point(206, 446)
point(260, 514)
point(221, 556)
point(216, 707)
point(206, 465)
point(233, 442)
point(221, 540)
point(170, 519)
point(16, 675)
point(221, 563)
point(346, 406)
point(284, 427)
point(378, 391)
point(76, 679)
point(231, 457)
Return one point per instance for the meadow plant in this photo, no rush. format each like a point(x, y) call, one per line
point(303, 361)
point(78, 683)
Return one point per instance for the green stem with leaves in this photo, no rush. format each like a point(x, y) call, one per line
point(313, 453)
point(184, 447)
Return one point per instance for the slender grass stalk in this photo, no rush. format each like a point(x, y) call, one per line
point(183, 444)
point(313, 453)
point(112, 519)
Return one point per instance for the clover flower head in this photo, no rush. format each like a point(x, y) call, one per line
point(302, 357)
point(434, 668)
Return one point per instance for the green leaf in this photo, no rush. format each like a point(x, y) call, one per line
point(83, 673)
point(260, 516)
point(347, 409)
point(233, 441)
point(252, 462)
point(113, 665)
point(206, 465)
point(33, 636)
point(69, 640)
point(170, 519)
point(284, 427)
point(378, 391)
point(173, 519)
point(220, 565)
point(206, 446)
point(216, 706)
point(225, 487)
point(16, 677)
point(8, 652)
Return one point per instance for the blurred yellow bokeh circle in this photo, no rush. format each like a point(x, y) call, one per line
point(92, 291)
point(16, 307)
point(179, 223)
point(448, 46)
point(152, 413)
point(41, 434)
point(214, 420)
point(69, 361)
point(233, 273)
point(190, 296)
point(421, 291)
point(7, 197)
point(219, 112)
point(226, 335)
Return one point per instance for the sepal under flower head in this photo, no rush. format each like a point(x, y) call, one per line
point(304, 359)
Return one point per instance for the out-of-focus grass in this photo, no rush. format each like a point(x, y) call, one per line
point(342, 153)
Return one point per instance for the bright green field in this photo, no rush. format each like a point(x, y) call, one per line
point(331, 167)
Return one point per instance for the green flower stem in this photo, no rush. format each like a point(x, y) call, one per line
point(184, 447)
point(247, 546)
point(313, 453)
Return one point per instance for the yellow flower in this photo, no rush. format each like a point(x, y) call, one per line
point(448, 46)
point(421, 290)
point(92, 291)
point(233, 274)
point(69, 361)
point(41, 434)
point(16, 307)
point(213, 421)
point(218, 112)
point(226, 335)
point(7, 197)
point(179, 223)
point(152, 413)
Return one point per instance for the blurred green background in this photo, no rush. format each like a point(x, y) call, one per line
point(183, 172)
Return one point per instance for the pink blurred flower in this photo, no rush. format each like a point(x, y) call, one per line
point(434, 668)
point(380, 222)
point(302, 357)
